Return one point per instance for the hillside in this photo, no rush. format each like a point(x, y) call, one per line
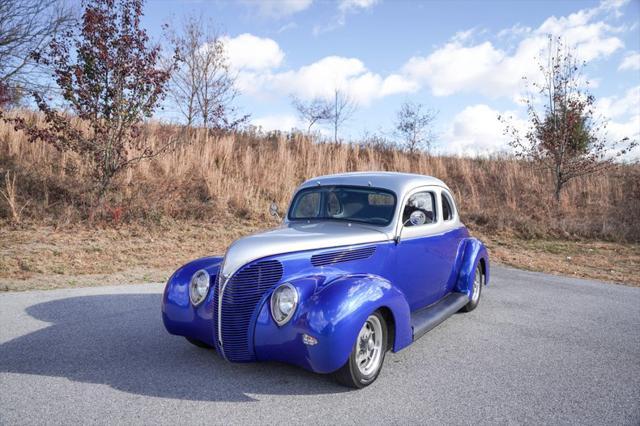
point(210, 189)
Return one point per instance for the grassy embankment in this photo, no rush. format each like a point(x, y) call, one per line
point(195, 200)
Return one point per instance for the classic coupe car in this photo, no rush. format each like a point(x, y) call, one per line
point(363, 263)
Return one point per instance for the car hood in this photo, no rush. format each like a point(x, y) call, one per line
point(297, 236)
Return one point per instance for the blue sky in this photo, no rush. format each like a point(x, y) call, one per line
point(462, 58)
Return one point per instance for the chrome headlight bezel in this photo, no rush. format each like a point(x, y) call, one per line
point(199, 286)
point(278, 315)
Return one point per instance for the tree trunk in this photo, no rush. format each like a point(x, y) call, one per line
point(335, 119)
point(558, 189)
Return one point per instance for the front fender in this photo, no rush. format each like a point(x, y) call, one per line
point(178, 314)
point(474, 252)
point(333, 315)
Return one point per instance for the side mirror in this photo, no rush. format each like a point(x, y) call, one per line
point(273, 210)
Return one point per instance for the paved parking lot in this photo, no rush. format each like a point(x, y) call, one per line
point(539, 349)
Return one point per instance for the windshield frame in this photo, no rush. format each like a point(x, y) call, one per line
point(327, 188)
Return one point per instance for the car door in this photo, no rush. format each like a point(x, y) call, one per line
point(422, 266)
point(450, 238)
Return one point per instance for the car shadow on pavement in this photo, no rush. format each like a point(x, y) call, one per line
point(120, 341)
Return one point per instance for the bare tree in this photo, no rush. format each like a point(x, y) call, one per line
point(203, 86)
point(315, 111)
point(343, 109)
point(183, 85)
point(565, 136)
point(27, 27)
point(413, 126)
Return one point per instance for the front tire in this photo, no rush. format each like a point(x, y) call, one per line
point(367, 356)
point(476, 291)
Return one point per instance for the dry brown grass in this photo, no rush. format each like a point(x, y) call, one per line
point(237, 175)
point(194, 200)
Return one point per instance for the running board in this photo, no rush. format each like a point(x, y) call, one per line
point(427, 318)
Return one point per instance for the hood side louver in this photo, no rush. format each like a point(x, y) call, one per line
point(333, 257)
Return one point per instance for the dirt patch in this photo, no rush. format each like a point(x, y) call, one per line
point(45, 257)
point(605, 261)
point(79, 256)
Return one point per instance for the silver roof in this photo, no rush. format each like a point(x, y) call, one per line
point(400, 183)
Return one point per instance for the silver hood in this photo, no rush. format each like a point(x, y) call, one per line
point(298, 236)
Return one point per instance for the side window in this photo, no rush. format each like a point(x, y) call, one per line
point(447, 206)
point(420, 209)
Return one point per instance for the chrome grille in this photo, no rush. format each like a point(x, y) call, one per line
point(240, 297)
point(216, 285)
point(332, 257)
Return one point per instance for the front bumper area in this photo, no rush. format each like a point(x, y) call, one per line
point(179, 316)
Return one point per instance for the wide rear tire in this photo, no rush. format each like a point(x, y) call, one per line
point(367, 356)
point(478, 283)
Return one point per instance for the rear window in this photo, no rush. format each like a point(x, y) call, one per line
point(447, 208)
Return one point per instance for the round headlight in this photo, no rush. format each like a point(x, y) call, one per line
point(284, 301)
point(199, 286)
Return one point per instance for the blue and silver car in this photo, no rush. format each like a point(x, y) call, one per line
point(363, 263)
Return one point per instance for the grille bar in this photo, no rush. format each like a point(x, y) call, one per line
point(215, 308)
point(333, 257)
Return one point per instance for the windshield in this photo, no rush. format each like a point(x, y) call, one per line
point(349, 203)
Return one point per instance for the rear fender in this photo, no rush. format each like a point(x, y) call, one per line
point(474, 253)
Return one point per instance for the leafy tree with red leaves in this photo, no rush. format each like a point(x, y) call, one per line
point(565, 136)
point(110, 81)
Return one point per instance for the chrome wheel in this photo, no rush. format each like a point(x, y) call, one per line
point(369, 346)
point(367, 354)
point(477, 283)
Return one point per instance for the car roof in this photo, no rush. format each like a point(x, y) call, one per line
point(397, 182)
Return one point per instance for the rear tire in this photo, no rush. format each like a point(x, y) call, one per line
point(199, 343)
point(367, 356)
point(476, 291)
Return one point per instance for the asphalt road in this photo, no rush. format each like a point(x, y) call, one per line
point(539, 349)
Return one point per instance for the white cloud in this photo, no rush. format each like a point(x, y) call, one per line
point(517, 30)
point(613, 6)
point(348, 5)
point(476, 130)
point(619, 130)
point(623, 115)
point(345, 7)
point(630, 62)
point(283, 122)
point(616, 107)
point(247, 51)
point(461, 66)
point(287, 27)
point(396, 84)
point(591, 39)
point(322, 78)
point(279, 8)
point(454, 68)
